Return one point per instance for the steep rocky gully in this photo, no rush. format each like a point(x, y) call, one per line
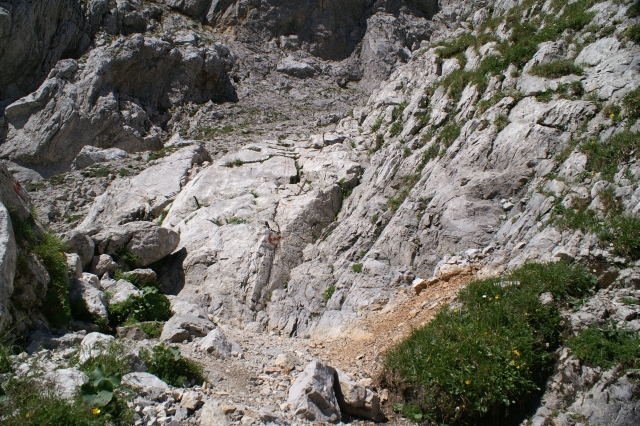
point(244, 212)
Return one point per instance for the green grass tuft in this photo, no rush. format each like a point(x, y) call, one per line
point(605, 157)
point(606, 346)
point(631, 104)
point(556, 69)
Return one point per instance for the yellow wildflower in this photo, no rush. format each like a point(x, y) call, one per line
point(95, 411)
point(27, 415)
point(467, 382)
point(455, 311)
point(497, 297)
point(612, 116)
point(516, 352)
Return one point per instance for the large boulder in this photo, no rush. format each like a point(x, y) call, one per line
point(216, 343)
point(312, 396)
point(144, 380)
point(182, 327)
point(94, 344)
point(244, 221)
point(146, 241)
point(87, 298)
point(90, 155)
point(356, 399)
point(81, 244)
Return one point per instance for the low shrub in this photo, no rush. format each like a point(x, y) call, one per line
point(501, 121)
point(153, 329)
point(33, 402)
point(449, 134)
point(556, 69)
point(396, 128)
point(622, 233)
point(631, 104)
point(123, 253)
point(633, 33)
point(492, 353)
point(113, 359)
point(329, 292)
point(356, 267)
point(150, 306)
point(634, 10)
point(234, 163)
point(50, 250)
point(97, 171)
point(606, 346)
point(167, 363)
point(605, 157)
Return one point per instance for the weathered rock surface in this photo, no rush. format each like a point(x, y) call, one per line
point(356, 399)
point(66, 381)
point(312, 396)
point(146, 241)
point(183, 327)
point(112, 100)
point(86, 296)
point(93, 345)
point(146, 195)
point(8, 258)
point(144, 380)
point(35, 35)
point(90, 155)
point(216, 344)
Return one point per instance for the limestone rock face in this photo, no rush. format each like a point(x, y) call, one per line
point(244, 220)
point(111, 101)
point(35, 35)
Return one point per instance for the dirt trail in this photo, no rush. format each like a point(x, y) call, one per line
point(362, 346)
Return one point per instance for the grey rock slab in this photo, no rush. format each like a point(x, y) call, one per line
point(216, 343)
point(40, 339)
point(296, 68)
point(67, 381)
point(211, 414)
point(312, 396)
point(183, 327)
point(122, 290)
point(144, 380)
point(74, 265)
point(91, 155)
point(94, 344)
point(145, 240)
point(84, 294)
point(183, 307)
point(81, 244)
point(146, 194)
point(103, 264)
point(99, 104)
